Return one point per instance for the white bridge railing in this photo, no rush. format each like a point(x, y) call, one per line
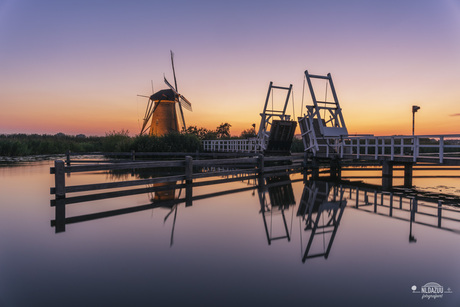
point(233, 145)
point(430, 147)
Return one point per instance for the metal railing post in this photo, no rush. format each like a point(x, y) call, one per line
point(392, 148)
point(376, 144)
point(358, 147)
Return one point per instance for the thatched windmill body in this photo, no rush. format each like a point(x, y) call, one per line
point(164, 112)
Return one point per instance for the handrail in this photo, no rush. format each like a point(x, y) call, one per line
point(394, 147)
point(254, 145)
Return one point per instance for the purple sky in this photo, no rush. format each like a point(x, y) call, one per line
point(77, 66)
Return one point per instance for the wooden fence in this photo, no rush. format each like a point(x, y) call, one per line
point(255, 164)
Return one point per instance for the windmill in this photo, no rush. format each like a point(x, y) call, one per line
point(164, 112)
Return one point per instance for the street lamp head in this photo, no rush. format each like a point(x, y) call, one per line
point(415, 109)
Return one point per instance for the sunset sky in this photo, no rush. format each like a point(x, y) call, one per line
point(78, 66)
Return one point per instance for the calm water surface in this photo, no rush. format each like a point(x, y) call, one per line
point(228, 250)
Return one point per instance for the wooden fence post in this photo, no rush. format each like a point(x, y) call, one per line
point(59, 178)
point(261, 165)
point(67, 158)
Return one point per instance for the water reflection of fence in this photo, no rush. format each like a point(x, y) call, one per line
point(61, 220)
point(244, 165)
point(257, 182)
point(320, 208)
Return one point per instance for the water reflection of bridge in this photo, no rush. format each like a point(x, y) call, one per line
point(323, 202)
point(319, 210)
point(420, 207)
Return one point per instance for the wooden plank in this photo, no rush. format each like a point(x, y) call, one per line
point(159, 154)
point(282, 158)
point(224, 180)
point(224, 173)
point(282, 167)
point(100, 153)
point(120, 184)
point(226, 161)
point(118, 166)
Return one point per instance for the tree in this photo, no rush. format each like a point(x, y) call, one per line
point(199, 132)
point(248, 133)
point(223, 131)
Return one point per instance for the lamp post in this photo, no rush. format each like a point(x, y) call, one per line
point(414, 109)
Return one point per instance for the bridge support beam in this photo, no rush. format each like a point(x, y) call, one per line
point(314, 168)
point(408, 175)
point(387, 175)
point(336, 169)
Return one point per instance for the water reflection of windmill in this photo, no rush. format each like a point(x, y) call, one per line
point(280, 198)
point(164, 112)
point(165, 198)
point(313, 207)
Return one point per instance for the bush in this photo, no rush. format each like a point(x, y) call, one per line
point(117, 141)
point(171, 142)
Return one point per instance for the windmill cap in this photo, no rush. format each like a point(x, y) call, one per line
point(164, 95)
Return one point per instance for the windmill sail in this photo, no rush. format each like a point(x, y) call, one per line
point(183, 101)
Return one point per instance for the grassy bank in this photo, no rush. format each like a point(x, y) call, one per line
point(23, 145)
point(15, 145)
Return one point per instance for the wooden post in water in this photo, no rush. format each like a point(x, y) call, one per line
point(59, 179)
point(188, 180)
point(133, 155)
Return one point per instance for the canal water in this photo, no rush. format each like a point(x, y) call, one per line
point(289, 242)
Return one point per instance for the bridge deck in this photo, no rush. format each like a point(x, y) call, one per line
point(448, 161)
